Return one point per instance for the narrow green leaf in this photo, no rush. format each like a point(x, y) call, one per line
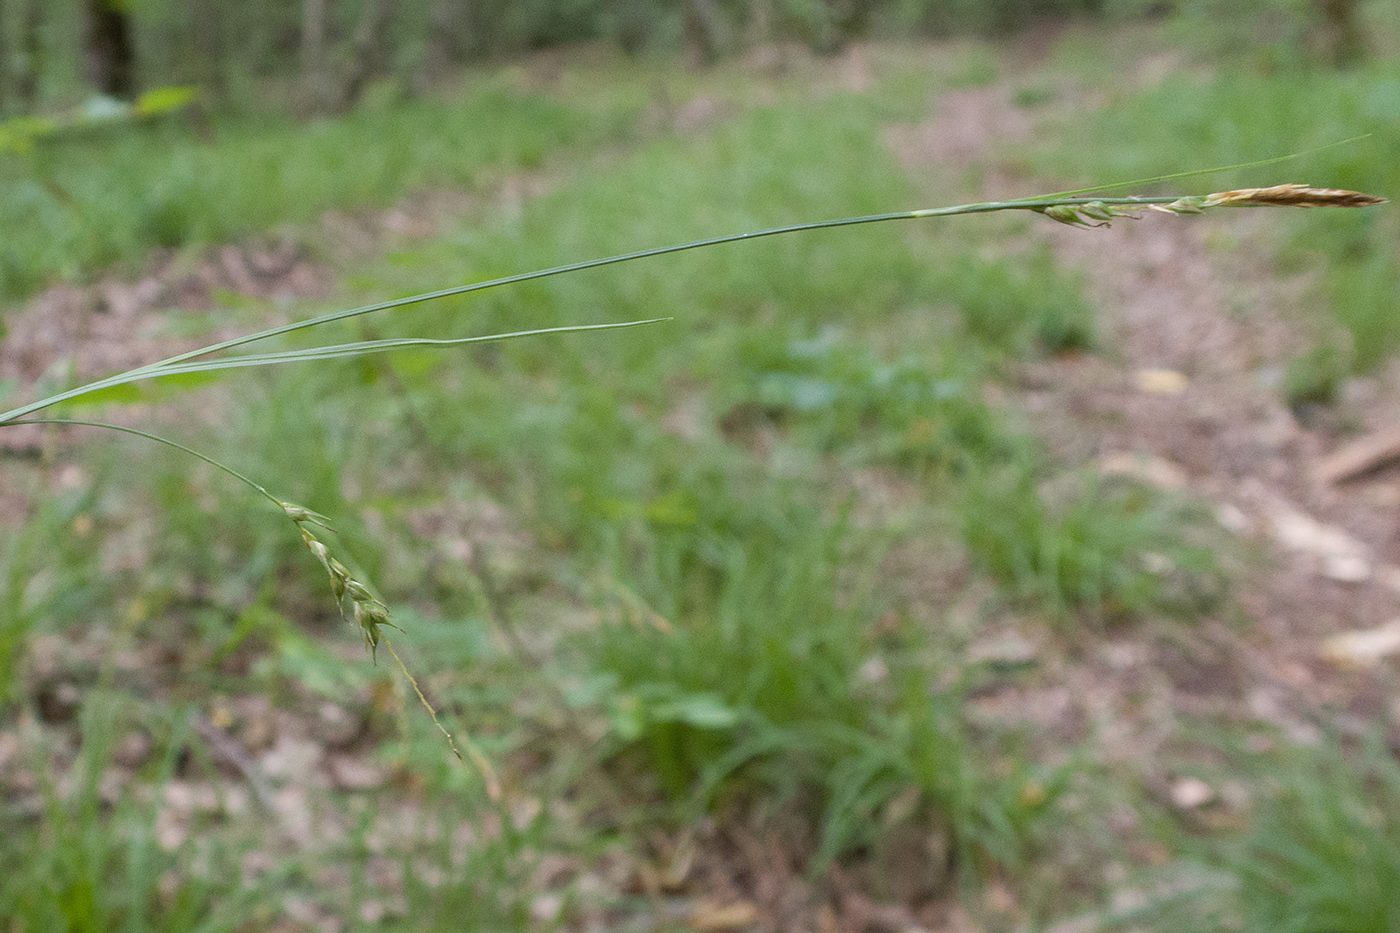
point(334, 351)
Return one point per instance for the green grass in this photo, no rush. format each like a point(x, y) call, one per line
point(702, 529)
point(45, 577)
point(770, 683)
point(1234, 112)
point(92, 864)
point(1320, 850)
point(111, 195)
point(1324, 853)
point(1086, 546)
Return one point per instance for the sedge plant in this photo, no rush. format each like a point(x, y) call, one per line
point(354, 597)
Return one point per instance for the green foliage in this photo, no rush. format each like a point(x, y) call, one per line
point(489, 889)
point(1324, 853)
point(1321, 851)
point(995, 17)
point(45, 576)
point(1268, 34)
point(1110, 549)
point(83, 869)
point(20, 135)
point(829, 392)
point(1316, 377)
point(93, 201)
point(1238, 112)
point(1022, 306)
point(769, 680)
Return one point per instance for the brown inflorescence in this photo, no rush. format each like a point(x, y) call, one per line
point(1291, 196)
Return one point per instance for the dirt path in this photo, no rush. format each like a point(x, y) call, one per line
point(1185, 394)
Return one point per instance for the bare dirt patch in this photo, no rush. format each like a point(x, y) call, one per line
point(1185, 394)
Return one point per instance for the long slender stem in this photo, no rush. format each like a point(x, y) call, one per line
point(335, 351)
point(1196, 173)
point(259, 488)
point(168, 364)
point(1074, 210)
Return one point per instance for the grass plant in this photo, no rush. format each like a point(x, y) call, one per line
point(680, 519)
point(94, 863)
point(1087, 545)
point(1235, 108)
point(110, 198)
point(1320, 852)
point(1324, 852)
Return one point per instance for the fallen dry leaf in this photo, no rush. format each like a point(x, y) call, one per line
point(1343, 557)
point(711, 916)
point(1188, 793)
point(1145, 468)
point(1363, 647)
point(1160, 381)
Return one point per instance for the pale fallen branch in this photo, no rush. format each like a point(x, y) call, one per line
point(1361, 456)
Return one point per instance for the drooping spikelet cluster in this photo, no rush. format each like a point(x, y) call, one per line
point(369, 613)
point(1291, 196)
point(1100, 213)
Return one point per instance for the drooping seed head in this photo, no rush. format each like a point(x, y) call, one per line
point(1070, 214)
point(370, 614)
point(297, 513)
point(1291, 196)
point(367, 618)
point(357, 591)
point(302, 515)
point(317, 548)
point(340, 577)
point(1191, 204)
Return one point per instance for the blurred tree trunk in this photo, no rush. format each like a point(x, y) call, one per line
point(705, 25)
point(313, 50)
point(4, 60)
point(450, 34)
point(208, 44)
point(109, 56)
point(366, 49)
point(29, 56)
point(1342, 31)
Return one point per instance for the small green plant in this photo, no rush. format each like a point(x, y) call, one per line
point(95, 862)
point(769, 682)
point(1024, 306)
point(1106, 547)
point(1321, 851)
point(39, 578)
point(1316, 377)
point(1324, 853)
point(920, 411)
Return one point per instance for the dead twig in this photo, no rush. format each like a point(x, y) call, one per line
point(1360, 457)
point(226, 749)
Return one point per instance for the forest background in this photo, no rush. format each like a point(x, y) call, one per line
point(950, 574)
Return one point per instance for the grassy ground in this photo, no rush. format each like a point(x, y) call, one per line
point(724, 599)
point(110, 196)
point(1248, 106)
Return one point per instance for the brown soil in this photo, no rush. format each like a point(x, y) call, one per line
point(1193, 296)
